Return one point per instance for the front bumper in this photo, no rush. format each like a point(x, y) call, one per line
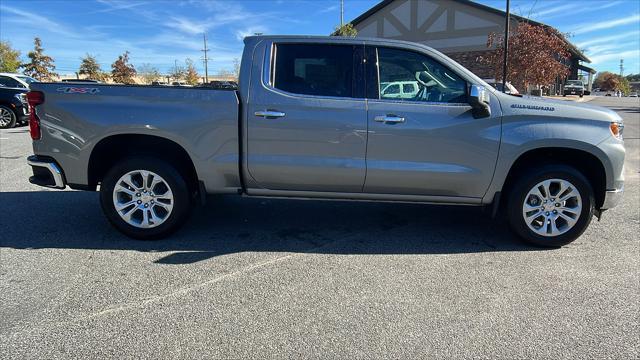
point(46, 172)
point(612, 198)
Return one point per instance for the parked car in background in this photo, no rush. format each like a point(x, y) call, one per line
point(216, 84)
point(633, 94)
point(574, 87)
point(159, 83)
point(309, 120)
point(399, 89)
point(498, 86)
point(18, 81)
point(180, 83)
point(14, 109)
point(81, 81)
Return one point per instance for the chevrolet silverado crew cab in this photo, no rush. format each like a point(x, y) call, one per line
point(309, 120)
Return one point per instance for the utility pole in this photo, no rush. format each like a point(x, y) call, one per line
point(205, 59)
point(175, 69)
point(341, 13)
point(621, 67)
point(506, 51)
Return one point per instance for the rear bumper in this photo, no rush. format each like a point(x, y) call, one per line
point(46, 172)
point(612, 198)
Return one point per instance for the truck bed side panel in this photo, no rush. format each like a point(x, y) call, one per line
point(203, 121)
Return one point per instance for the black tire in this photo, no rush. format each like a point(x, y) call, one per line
point(526, 181)
point(12, 122)
point(182, 200)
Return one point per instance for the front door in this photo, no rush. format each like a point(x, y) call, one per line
point(425, 142)
point(307, 124)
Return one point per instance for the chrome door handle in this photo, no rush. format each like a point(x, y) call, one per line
point(269, 114)
point(389, 119)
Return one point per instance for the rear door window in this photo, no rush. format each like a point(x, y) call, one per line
point(314, 69)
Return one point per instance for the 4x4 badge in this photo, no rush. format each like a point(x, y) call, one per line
point(78, 90)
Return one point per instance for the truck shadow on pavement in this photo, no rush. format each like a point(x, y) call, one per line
point(230, 224)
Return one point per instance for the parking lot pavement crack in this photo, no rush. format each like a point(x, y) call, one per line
point(176, 293)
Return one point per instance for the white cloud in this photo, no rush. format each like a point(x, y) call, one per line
point(605, 24)
point(329, 9)
point(576, 10)
point(187, 26)
point(608, 39)
point(116, 5)
point(242, 33)
point(599, 59)
point(31, 19)
point(554, 10)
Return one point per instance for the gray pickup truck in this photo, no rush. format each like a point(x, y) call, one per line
point(309, 121)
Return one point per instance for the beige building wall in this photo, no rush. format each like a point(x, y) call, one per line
point(448, 26)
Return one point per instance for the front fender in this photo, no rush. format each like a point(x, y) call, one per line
point(522, 135)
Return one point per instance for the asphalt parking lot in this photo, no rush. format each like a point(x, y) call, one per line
point(256, 278)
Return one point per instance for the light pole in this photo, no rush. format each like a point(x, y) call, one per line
point(506, 51)
point(206, 59)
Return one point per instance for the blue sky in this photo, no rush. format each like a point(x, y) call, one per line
point(160, 32)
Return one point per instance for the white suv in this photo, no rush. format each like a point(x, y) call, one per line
point(18, 81)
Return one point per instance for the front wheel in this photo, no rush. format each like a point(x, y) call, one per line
point(551, 205)
point(145, 198)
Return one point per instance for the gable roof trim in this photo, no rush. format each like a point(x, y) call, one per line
point(572, 48)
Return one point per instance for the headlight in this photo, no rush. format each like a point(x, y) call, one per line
point(617, 128)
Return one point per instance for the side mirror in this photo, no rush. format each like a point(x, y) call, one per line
point(479, 100)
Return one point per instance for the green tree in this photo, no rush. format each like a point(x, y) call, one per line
point(90, 68)
point(9, 58)
point(191, 74)
point(122, 71)
point(40, 66)
point(148, 73)
point(625, 87)
point(633, 77)
point(345, 30)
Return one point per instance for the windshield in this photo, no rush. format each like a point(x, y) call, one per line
point(574, 82)
point(27, 79)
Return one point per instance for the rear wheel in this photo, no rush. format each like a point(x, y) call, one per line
point(145, 198)
point(7, 117)
point(551, 205)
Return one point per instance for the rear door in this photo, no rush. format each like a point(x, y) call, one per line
point(425, 142)
point(307, 121)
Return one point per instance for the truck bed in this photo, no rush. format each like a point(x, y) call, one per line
point(76, 117)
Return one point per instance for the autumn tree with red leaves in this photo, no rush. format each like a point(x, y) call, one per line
point(122, 71)
point(537, 55)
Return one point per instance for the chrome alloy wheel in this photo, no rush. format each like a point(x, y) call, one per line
point(5, 117)
point(143, 199)
point(552, 207)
